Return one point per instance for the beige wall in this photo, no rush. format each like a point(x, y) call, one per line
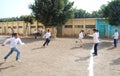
point(19, 27)
point(71, 28)
point(74, 26)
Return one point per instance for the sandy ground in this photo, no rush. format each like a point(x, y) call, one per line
point(63, 57)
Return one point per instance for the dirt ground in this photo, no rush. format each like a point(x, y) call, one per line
point(62, 57)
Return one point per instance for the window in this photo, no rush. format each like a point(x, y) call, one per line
point(39, 26)
point(14, 27)
point(68, 26)
point(33, 26)
point(19, 26)
point(78, 26)
point(90, 26)
point(9, 27)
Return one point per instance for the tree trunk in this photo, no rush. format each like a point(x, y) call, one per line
point(26, 30)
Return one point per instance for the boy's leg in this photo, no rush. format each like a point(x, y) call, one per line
point(45, 42)
point(48, 41)
point(18, 53)
point(10, 52)
point(35, 36)
point(115, 42)
point(81, 42)
point(95, 48)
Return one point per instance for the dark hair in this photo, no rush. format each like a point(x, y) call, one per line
point(97, 30)
point(116, 30)
point(94, 30)
point(82, 30)
point(48, 30)
point(15, 34)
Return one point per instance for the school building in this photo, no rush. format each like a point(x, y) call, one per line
point(74, 26)
point(19, 27)
point(70, 29)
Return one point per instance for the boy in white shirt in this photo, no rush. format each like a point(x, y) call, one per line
point(81, 36)
point(116, 36)
point(95, 41)
point(47, 36)
point(13, 45)
point(35, 33)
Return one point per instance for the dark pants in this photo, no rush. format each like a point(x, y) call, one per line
point(95, 48)
point(46, 42)
point(35, 35)
point(115, 42)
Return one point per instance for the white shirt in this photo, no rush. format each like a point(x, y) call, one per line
point(13, 42)
point(98, 34)
point(95, 37)
point(35, 32)
point(116, 35)
point(47, 35)
point(81, 35)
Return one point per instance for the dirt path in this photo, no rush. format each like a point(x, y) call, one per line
point(61, 58)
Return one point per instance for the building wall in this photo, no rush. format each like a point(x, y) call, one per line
point(70, 29)
point(105, 29)
point(74, 26)
point(19, 27)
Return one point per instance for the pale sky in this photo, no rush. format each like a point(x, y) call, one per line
point(14, 8)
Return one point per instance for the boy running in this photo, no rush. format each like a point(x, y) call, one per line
point(13, 45)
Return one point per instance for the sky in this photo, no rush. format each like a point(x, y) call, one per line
point(16, 8)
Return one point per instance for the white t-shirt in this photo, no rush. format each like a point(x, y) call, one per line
point(116, 35)
point(47, 35)
point(95, 37)
point(81, 35)
point(35, 32)
point(13, 42)
point(98, 34)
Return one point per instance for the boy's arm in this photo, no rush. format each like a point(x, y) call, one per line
point(91, 35)
point(6, 41)
point(20, 42)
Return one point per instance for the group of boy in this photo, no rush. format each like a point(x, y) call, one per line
point(14, 40)
point(96, 41)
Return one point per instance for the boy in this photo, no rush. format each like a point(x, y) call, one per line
point(13, 45)
point(116, 36)
point(95, 41)
point(81, 36)
point(47, 36)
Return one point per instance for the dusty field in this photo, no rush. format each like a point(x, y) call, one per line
point(61, 58)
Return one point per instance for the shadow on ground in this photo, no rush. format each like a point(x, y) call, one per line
point(2, 63)
point(115, 62)
point(82, 58)
point(101, 45)
point(4, 68)
point(39, 48)
point(30, 40)
point(111, 48)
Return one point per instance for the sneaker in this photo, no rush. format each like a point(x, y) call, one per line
point(19, 60)
point(4, 60)
point(94, 54)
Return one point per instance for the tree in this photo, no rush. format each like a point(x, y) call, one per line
point(52, 12)
point(97, 14)
point(79, 13)
point(112, 12)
